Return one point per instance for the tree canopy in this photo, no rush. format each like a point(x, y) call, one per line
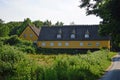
point(38, 23)
point(17, 27)
point(109, 12)
point(4, 30)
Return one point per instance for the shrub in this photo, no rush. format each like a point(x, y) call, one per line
point(13, 40)
point(23, 45)
point(9, 58)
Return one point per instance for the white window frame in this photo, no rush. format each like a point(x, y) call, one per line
point(58, 36)
point(66, 44)
point(59, 44)
point(51, 44)
point(81, 43)
point(72, 36)
point(86, 35)
point(43, 44)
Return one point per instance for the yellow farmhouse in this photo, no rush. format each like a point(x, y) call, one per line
point(30, 33)
point(72, 37)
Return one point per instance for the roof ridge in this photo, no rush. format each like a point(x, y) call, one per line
point(72, 26)
point(35, 30)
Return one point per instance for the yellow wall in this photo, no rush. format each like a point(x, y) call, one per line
point(74, 44)
point(28, 32)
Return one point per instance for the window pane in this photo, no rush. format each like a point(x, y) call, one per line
point(59, 44)
point(72, 36)
point(25, 35)
point(66, 44)
point(81, 44)
point(58, 36)
point(51, 44)
point(97, 44)
point(86, 36)
point(89, 44)
point(31, 35)
point(43, 43)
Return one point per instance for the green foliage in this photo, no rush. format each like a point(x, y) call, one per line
point(26, 23)
point(4, 30)
point(22, 45)
point(13, 26)
point(9, 59)
point(76, 67)
point(108, 10)
point(61, 51)
point(38, 23)
point(16, 28)
point(59, 23)
point(14, 65)
point(47, 23)
point(13, 40)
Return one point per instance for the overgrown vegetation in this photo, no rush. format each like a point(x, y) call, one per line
point(22, 45)
point(16, 65)
point(73, 67)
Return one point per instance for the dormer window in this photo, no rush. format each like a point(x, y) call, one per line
point(59, 34)
point(87, 34)
point(73, 34)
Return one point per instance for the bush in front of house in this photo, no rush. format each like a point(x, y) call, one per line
point(15, 65)
point(23, 45)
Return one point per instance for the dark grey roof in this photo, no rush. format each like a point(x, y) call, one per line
point(50, 33)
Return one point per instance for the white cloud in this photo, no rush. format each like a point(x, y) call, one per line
point(54, 10)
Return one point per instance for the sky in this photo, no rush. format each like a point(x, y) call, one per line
point(66, 11)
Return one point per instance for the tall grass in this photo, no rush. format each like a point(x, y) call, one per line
point(73, 67)
point(16, 65)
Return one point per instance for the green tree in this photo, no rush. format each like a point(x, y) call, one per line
point(1, 21)
point(4, 30)
point(109, 12)
point(13, 27)
point(47, 23)
point(25, 23)
point(59, 23)
point(38, 23)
